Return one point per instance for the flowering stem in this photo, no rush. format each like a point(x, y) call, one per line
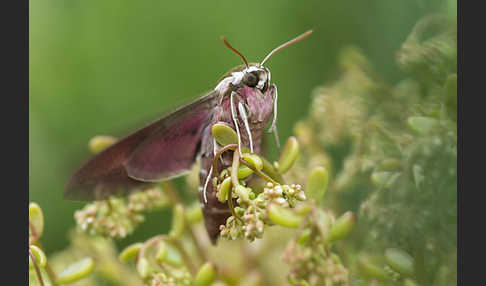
point(37, 270)
point(185, 256)
point(35, 237)
point(175, 199)
point(235, 182)
point(220, 152)
point(176, 243)
point(259, 173)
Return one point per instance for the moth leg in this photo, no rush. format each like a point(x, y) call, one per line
point(241, 108)
point(208, 178)
point(235, 120)
point(273, 126)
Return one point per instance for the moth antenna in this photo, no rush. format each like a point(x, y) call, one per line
point(234, 50)
point(284, 45)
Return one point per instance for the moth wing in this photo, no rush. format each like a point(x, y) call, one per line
point(163, 149)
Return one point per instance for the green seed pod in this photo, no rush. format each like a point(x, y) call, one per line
point(173, 257)
point(304, 237)
point(130, 252)
point(283, 216)
point(224, 189)
point(422, 125)
point(76, 271)
point(254, 160)
point(302, 209)
point(206, 275)
point(270, 170)
point(39, 255)
point(289, 154)
point(400, 261)
point(224, 134)
point(342, 227)
point(370, 270)
point(317, 184)
point(100, 143)
point(36, 217)
point(194, 214)
point(177, 222)
point(242, 192)
point(244, 171)
point(161, 254)
point(143, 267)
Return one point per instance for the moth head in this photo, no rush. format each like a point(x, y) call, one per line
point(256, 77)
point(253, 75)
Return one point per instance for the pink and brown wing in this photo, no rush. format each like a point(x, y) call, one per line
point(165, 148)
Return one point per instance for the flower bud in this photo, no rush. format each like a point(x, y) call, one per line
point(282, 216)
point(342, 227)
point(244, 171)
point(36, 217)
point(130, 252)
point(224, 189)
point(224, 134)
point(161, 253)
point(317, 183)
point(206, 275)
point(39, 256)
point(177, 222)
point(422, 125)
point(254, 160)
point(143, 267)
point(400, 261)
point(76, 271)
point(100, 143)
point(194, 213)
point(289, 154)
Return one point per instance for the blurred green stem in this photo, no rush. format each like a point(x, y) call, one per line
point(171, 191)
point(36, 241)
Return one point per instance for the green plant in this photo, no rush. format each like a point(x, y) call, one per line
point(364, 194)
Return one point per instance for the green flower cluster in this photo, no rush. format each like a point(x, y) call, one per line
point(118, 217)
point(255, 213)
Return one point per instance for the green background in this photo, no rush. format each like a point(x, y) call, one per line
point(108, 67)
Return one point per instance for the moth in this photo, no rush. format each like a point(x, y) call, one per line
point(245, 99)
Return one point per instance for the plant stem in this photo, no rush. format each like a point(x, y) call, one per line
point(185, 256)
point(220, 152)
point(37, 270)
point(259, 173)
point(235, 182)
point(171, 191)
point(36, 241)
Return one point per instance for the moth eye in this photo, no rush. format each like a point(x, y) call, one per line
point(250, 79)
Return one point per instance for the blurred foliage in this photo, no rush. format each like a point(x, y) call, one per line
point(392, 150)
point(383, 125)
